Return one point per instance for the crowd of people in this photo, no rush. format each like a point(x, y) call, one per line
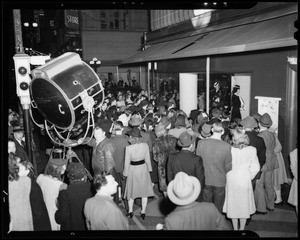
point(217, 170)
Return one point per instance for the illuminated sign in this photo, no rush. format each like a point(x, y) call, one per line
point(71, 19)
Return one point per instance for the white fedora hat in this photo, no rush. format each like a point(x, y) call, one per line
point(183, 189)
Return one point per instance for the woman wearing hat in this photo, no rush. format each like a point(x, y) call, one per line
point(136, 168)
point(239, 201)
point(237, 103)
point(71, 201)
point(51, 183)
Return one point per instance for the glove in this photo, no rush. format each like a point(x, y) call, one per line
point(63, 186)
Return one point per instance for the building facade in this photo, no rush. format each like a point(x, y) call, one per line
point(253, 46)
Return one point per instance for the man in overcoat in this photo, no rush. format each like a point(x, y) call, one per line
point(186, 161)
point(183, 190)
point(265, 184)
point(217, 162)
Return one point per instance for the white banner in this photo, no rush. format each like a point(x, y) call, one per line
point(269, 105)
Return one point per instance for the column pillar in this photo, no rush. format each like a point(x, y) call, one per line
point(188, 86)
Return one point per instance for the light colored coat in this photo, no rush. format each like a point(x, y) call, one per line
point(138, 183)
point(239, 197)
point(293, 196)
point(50, 188)
point(19, 204)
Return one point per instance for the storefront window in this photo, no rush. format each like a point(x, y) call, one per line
point(169, 82)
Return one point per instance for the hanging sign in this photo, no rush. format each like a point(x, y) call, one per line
point(71, 19)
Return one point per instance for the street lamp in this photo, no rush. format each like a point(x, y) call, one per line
point(95, 63)
point(30, 31)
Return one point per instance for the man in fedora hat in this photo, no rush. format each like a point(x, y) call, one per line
point(217, 98)
point(183, 191)
point(18, 137)
point(186, 161)
point(265, 184)
point(217, 161)
point(180, 127)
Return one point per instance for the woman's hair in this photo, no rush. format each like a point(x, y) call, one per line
point(217, 127)
point(134, 140)
point(53, 170)
point(100, 180)
point(239, 138)
point(13, 167)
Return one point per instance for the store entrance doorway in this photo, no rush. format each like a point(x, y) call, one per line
point(244, 80)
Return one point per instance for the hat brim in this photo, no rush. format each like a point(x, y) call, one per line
point(247, 125)
point(185, 145)
point(266, 125)
point(129, 133)
point(135, 123)
point(58, 161)
point(196, 187)
point(203, 134)
point(18, 130)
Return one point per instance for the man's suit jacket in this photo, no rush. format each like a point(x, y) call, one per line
point(259, 144)
point(120, 143)
point(188, 162)
point(270, 142)
point(21, 152)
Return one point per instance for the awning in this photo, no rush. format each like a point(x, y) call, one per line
point(259, 35)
